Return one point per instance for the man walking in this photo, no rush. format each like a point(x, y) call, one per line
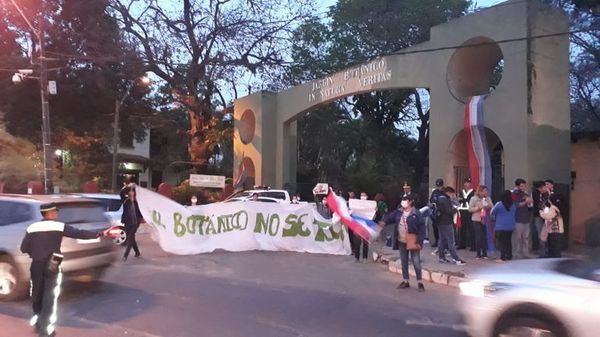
point(42, 242)
point(521, 234)
point(131, 218)
point(465, 232)
point(445, 221)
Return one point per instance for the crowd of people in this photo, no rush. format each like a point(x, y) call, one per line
point(468, 220)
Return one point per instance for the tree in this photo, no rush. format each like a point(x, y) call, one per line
point(370, 126)
point(20, 162)
point(203, 48)
point(92, 67)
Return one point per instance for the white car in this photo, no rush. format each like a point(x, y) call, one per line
point(85, 260)
point(279, 196)
point(113, 208)
point(541, 298)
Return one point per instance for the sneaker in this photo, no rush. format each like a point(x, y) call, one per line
point(421, 287)
point(403, 285)
point(485, 257)
point(459, 262)
point(444, 261)
point(435, 252)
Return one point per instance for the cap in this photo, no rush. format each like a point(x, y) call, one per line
point(48, 207)
point(408, 197)
point(439, 182)
point(467, 180)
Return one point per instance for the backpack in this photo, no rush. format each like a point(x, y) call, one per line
point(435, 211)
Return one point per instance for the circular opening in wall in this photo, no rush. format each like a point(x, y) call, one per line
point(475, 68)
point(247, 126)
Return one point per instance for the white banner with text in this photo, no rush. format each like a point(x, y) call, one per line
point(240, 226)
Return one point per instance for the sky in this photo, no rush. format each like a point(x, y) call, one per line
point(324, 4)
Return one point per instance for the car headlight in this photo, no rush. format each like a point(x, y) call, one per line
point(482, 288)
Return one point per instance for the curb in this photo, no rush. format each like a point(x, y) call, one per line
point(451, 279)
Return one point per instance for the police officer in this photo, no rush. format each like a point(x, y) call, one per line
point(42, 243)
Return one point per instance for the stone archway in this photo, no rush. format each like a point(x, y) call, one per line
point(528, 109)
point(457, 167)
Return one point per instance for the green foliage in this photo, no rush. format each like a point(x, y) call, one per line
point(93, 67)
point(20, 162)
point(363, 142)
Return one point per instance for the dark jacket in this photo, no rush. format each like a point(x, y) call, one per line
point(446, 209)
point(539, 202)
point(43, 238)
point(127, 219)
point(415, 223)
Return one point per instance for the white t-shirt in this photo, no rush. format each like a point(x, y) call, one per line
point(403, 227)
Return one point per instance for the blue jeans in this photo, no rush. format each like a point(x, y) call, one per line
point(446, 242)
point(415, 255)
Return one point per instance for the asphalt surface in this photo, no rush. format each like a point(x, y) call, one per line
point(245, 294)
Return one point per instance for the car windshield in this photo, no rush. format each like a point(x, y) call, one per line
point(240, 194)
point(109, 205)
point(587, 268)
point(273, 194)
point(75, 213)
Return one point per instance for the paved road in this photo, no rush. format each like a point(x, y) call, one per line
point(245, 294)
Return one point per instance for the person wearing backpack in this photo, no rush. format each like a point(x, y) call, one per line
point(445, 223)
point(433, 200)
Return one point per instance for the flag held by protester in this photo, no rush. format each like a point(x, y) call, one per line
point(361, 226)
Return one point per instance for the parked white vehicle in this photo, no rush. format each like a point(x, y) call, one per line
point(541, 298)
point(113, 208)
point(85, 260)
point(279, 196)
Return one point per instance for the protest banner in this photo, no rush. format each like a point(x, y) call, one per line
point(364, 208)
point(240, 226)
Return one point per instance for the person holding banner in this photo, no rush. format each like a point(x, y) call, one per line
point(408, 237)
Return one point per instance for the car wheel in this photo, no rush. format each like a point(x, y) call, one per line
point(122, 237)
point(12, 287)
point(529, 327)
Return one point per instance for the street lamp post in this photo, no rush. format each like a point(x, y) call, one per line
point(47, 151)
point(115, 141)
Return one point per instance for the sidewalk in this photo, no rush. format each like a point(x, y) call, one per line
point(445, 273)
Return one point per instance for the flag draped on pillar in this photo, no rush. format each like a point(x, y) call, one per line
point(480, 166)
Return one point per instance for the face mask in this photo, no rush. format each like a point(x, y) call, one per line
point(363, 197)
point(404, 203)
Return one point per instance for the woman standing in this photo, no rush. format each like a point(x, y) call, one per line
point(554, 227)
point(504, 213)
point(131, 218)
point(410, 224)
point(479, 207)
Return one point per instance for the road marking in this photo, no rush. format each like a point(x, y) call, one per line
point(429, 323)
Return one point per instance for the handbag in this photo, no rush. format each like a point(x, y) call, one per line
point(411, 242)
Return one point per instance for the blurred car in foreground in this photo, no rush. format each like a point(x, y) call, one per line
point(113, 208)
point(84, 260)
point(534, 298)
